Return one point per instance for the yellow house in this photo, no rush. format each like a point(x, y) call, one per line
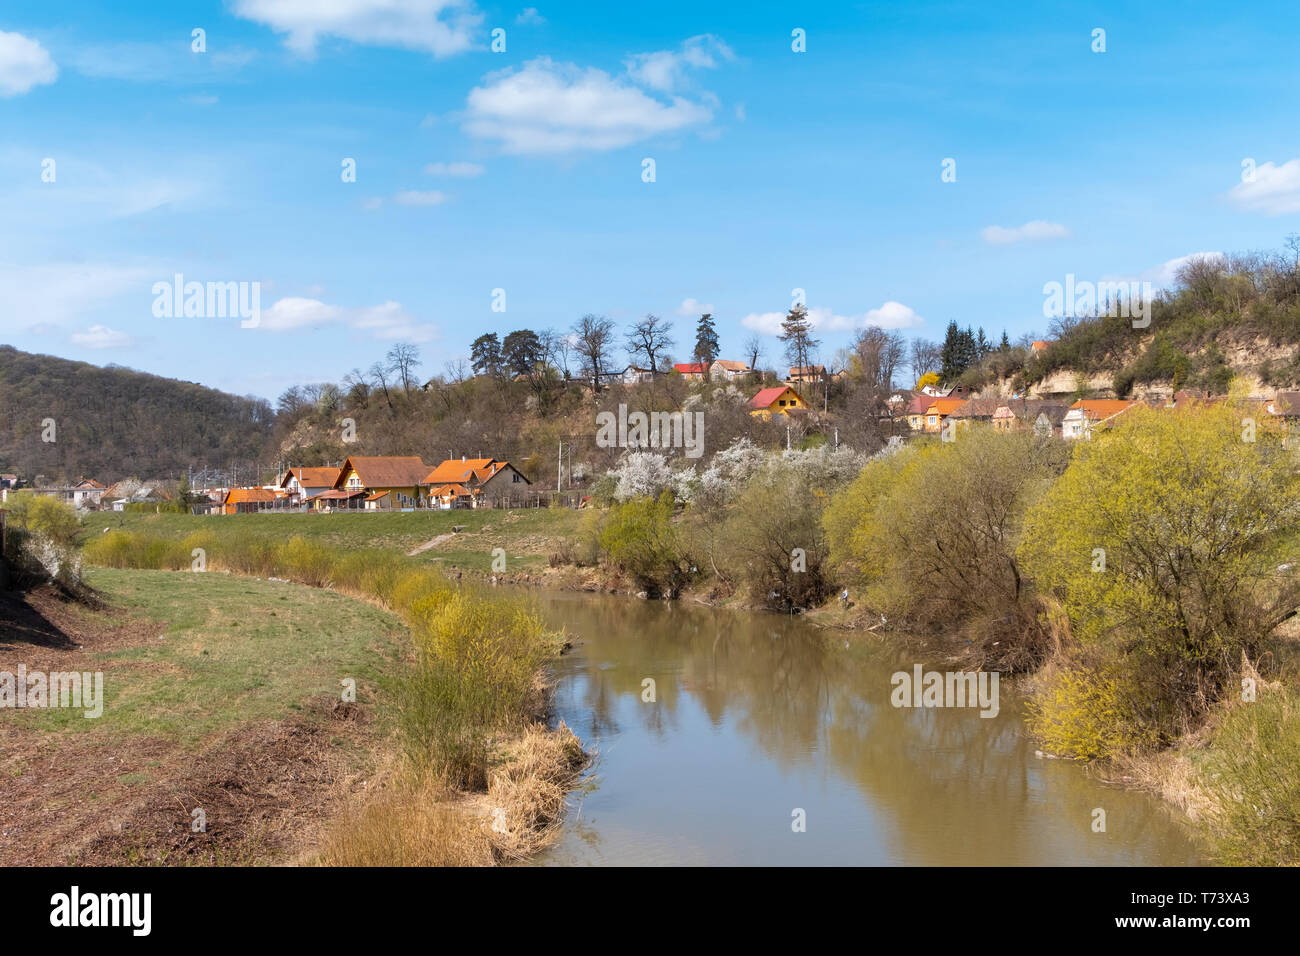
point(780, 399)
point(940, 409)
point(388, 482)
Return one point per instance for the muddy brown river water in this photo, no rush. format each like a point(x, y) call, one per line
point(757, 717)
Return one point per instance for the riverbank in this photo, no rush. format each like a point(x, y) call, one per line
point(252, 721)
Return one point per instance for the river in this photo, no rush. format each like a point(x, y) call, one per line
point(756, 717)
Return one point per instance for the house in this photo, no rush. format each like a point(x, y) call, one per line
point(451, 496)
point(938, 411)
point(635, 375)
point(469, 482)
point(86, 492)
point(725, 370)
point(1088, 414)
point(694, 371)
point(780, 399)
point(916, 410)
point(1285, 405)
point(976, 410)
point(299, 484)
point(337, 498)
point(800, 374)
point(9, 481)
point(242, 501)
point(142, 495)
point(1017, 413)
point(1038, 347)
point(398, 479)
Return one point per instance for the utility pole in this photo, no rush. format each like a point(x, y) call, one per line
point(787, 437)
point(559, 466)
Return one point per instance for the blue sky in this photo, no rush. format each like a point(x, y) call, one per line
point(522, 170)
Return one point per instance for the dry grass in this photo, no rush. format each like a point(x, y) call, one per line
point(421, 822)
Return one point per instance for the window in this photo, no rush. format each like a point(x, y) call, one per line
point(515, 478)
point(354, 481)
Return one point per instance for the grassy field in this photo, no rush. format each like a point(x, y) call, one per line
point(528, 535)
point(221, 692)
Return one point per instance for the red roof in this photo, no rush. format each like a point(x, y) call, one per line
point(690, 368)
point(767, 396)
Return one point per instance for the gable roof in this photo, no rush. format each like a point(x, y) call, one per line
point(690, 368)
point(87, 483)
point(731, 366)
point(1101, 408)
point(459, 470)
point(386, 471)
point(312, 477)
point(976, 408)
point(767, 396)
point(237, 496)
point(944, 406)
point(919, 404)
point(802, 371)
point(1286, 403)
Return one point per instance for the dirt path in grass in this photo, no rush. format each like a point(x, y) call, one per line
point(265, 790)
point(431, 543)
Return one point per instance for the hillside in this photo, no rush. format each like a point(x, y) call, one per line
point(114, 422)
point(1227, 317)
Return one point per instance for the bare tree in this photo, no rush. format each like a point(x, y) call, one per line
point(594, 334)
point(650, 337)
point(925, 356)
point(457, 370)
point(754, 351)
point(403, 358)
point(880, 354)
point(379, 375)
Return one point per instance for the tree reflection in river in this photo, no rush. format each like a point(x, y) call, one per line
point(757, 714)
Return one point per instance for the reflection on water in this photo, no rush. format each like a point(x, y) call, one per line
point(757, 715)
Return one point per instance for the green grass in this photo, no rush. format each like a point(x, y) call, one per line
point(528, 535)
point(234, 650)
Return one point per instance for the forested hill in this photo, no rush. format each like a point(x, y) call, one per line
point(113, 422)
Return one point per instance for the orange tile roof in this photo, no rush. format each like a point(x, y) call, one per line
point(1099, 408)
point(387, 471)
point(945, 406)
point(455, 470)
point(236, 496)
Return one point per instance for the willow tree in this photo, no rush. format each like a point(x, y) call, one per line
point(1171, 541)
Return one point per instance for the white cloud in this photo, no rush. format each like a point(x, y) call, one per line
point(388, 321)
point(548, 107)
point(440, 27)
point(1275, 191)
point(1035, 231)
point(102, 337)
point(890, 315)
point(1165, 275)
point(24, 63)
point(65, 292)
point(372, 203)
point(693, 307)
point(461, 170)
point(530, 17)
point(666, 70)
point(420, 197)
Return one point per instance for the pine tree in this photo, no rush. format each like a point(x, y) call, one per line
point(706, 340)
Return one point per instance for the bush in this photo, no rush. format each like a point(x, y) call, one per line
point(639, 538)
point(1084, 713)
point(1252, 773)
point(1166, 540)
